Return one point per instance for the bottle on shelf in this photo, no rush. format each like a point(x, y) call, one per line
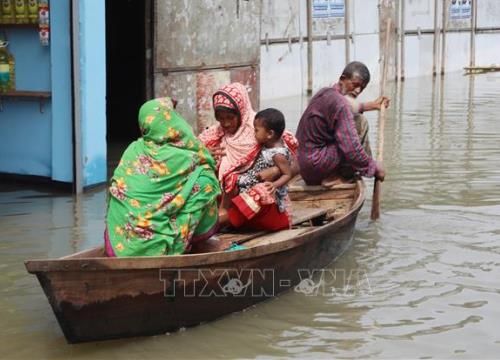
point(33, 11)
point(7, 75)
point(43, 12)
point(21, 11)
point(43, 22)
point(8, 12)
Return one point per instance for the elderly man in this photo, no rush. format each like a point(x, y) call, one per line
point(329, 143)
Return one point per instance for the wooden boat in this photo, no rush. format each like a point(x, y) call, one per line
point(96, 298)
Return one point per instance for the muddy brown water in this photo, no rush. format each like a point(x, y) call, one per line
point(422, 282)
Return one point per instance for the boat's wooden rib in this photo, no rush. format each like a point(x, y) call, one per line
point(97, 298)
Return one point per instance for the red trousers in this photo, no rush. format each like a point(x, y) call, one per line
point(268, 218)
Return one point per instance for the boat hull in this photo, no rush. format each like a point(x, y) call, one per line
point(115, 298)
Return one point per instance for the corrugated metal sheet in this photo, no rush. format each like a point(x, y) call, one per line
point(328, 63)
point(488, 13)
point(420, 14)
point(288, 18)
point(200, 33)
point(194, 90)
point(283, 18)
point(365, 26)
point(332, 26)
point(277, 65)
point(487, 49)
point(457, 51)
point(193, 56)
point(418, 57)
point(419, 50)
point(364, 17)
point(201, 45)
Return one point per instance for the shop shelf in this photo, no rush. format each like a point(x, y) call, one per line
point(19, 26)
point(40, 96)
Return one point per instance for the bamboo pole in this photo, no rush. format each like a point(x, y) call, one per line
point(473, 24)
point(397, 27)
point(377, 186)
point(436, 39)
point(403, 39)
point(309, 48)
point(347, 32)
point(443, 43)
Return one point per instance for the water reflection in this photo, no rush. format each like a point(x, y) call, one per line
point(432, 262)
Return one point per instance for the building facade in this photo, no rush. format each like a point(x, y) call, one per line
point(75, 105)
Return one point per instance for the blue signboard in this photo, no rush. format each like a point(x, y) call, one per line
point(323, 9)
point(460, 9)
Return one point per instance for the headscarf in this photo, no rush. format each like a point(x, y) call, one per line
point(238, 145)
point(241, 147)
point(162, 182)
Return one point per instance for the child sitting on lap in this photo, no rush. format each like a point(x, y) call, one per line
point(262, 205)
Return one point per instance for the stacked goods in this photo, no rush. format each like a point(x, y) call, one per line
point(7, 76)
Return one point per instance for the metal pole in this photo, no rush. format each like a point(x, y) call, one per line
point(403, 38)
point(309, 48)
point(347, 19)
point(436, 39)
point(443, 43)
point(77, 105)
point(473, 24)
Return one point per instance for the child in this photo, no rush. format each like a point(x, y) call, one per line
point(262, 205)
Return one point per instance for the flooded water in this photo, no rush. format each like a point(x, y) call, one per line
point(427, 273)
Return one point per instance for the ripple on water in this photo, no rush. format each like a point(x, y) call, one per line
point(424, 278)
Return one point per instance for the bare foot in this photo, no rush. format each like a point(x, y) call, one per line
point(335, 180)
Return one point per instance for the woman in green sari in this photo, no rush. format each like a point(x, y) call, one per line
point(163, 194)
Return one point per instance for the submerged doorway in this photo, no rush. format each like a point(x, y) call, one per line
point(127, 72)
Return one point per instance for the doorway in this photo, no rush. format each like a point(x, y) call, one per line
point(127, 72)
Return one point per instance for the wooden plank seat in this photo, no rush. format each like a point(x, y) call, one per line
point(224, 240)
point(275, 237)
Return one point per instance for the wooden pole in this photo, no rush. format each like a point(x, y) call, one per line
point(309, 48)
point(473, 17)
point(347, 32)
point(435, 48)
point(377, 186)
point(403, 40)
point(397, 27)
point(443, 42)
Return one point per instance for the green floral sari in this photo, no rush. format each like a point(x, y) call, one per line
point(163, 193)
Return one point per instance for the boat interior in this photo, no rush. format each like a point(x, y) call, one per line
point(312, 206)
